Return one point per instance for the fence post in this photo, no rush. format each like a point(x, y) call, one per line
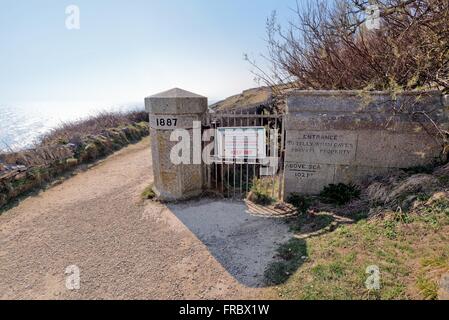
point(172, 110)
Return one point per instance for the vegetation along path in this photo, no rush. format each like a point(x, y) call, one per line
point(124, 248)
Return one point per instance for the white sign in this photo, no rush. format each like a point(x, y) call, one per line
point(241, 143)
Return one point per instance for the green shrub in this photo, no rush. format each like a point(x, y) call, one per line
point(340, 194)
point(261, 192)
point(94, 126)
point(148, 193)
point(301, 203)
point(262, 199)
point(420, 170)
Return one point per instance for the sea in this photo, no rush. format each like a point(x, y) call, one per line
point(22, 125)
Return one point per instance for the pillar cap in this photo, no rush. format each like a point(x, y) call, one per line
point(176, 101)
point(176, 93)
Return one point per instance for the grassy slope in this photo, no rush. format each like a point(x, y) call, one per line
point(411, 250)
point(247, 99)
point(65, 147)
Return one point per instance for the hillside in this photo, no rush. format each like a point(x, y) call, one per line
point(250, 100)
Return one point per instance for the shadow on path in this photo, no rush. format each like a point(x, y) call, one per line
point(243, 244)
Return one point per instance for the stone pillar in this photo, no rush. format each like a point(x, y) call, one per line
point(171, 110)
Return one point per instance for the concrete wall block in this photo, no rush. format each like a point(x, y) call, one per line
point(345, 136)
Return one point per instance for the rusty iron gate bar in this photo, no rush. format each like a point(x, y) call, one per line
point(218, 174)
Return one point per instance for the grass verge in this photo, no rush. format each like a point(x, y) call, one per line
point(411, 251)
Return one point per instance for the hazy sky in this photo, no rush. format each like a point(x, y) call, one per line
point(128, 49)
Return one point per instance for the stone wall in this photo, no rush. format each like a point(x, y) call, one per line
point(345, 136)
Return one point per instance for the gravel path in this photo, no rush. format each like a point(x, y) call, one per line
point(125, 249)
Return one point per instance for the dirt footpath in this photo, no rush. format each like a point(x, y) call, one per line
point(125, 249)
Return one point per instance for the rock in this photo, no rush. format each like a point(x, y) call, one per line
point(437, 197)
point(20, 176)
point(443, 292)
point(403, 193)
point(71, 162)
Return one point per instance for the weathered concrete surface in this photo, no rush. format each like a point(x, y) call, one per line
point(176, 101)
point(335, 136)
point(171, 110)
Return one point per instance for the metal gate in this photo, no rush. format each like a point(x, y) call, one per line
point(235, 178)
